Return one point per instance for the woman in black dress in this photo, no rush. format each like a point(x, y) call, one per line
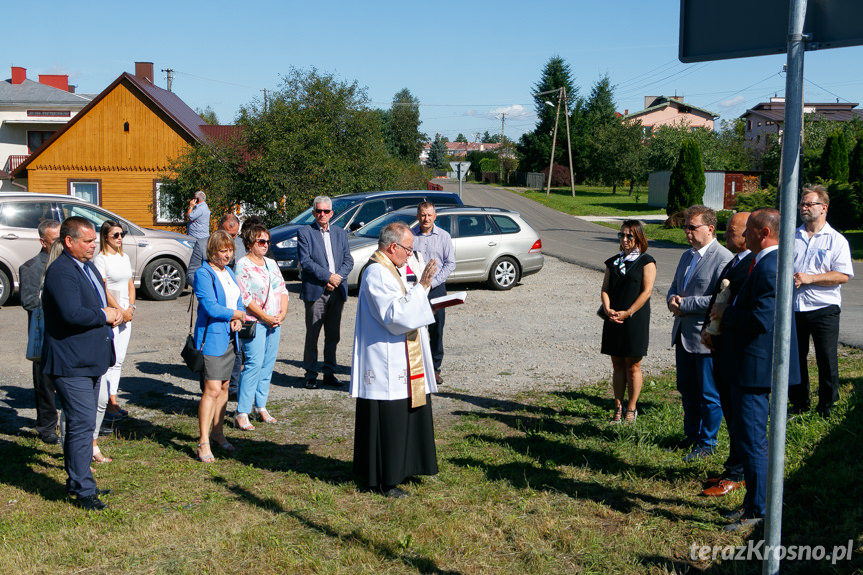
point(626, 289)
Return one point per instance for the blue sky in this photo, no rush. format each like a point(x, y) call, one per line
point(466, 62)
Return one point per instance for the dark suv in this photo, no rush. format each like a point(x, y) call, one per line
point(350, 212)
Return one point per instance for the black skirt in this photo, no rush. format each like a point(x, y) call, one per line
point(393, 442)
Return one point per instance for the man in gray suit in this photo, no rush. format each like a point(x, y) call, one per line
point(688, 299)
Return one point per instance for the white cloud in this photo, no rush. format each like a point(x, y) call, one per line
point(735, 101)
point(514, 111)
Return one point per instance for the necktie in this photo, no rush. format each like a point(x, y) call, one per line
point(752, 265)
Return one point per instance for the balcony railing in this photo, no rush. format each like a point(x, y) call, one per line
point(14, 161)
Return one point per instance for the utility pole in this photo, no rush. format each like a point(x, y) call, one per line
point(500, 147)
point(170, 73)
point(553, 142)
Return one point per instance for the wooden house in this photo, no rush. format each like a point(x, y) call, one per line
point(114, 152)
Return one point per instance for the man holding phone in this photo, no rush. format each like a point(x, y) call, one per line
point(198, 216)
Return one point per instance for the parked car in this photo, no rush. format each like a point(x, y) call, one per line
point(159, 258)
point(350, 212)
point(491, 244)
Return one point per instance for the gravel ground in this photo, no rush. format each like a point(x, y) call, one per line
point(542, 334)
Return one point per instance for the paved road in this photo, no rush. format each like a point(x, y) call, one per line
point(588, 244)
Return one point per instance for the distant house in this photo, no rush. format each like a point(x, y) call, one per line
point(30, 113)
point(115, 150)
point(458, 149)
point(670, 111)
point(768, 117)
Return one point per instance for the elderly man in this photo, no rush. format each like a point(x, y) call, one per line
point(31, 278)
point(231, 224)
point(198, 216)
point(688, 297)
point(391, 373)
point(723, 354)
point(822, 263)
point(748, 325)
point(325, 262)
point(435, 244)
point(78, 349)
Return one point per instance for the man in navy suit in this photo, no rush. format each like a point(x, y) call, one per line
point(688, 297)
point(748, 325)
point(325, 262)
point(78, 349)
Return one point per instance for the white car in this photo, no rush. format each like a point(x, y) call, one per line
point(490, 244)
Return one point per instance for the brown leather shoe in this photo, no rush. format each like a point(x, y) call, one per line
point(723, 487)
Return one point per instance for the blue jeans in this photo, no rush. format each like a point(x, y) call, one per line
point(260, 352)
point(702, 410)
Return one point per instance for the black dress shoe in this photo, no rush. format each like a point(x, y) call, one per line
point(91, 503)
point(331, 381)
point(311, 383)
point(104, 491)
point(396, 493)
point(50, 439)
point(734, 514)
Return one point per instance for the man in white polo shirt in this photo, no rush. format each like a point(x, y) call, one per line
point(822, 263)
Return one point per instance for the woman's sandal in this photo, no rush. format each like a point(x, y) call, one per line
point(618, 415)
point(241, 420)
point(265, 415)
point(631, 414)
point(98, 457)
point(224, 443)
point(205, 458)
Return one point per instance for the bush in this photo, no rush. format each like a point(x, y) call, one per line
point(489, 165)
point(846, 207)
point(834, 158)
point(758, 199)
point(722, 217)
point(686, 187)
point(560, 176)
point(855, 168)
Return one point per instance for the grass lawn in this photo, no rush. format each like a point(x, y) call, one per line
point(533, 484)
point(594, 201)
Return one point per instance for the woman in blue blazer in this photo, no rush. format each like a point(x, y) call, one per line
point(220, 317)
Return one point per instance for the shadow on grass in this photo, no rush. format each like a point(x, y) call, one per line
point(11, 420)
point(20, 458)
point(389, 551)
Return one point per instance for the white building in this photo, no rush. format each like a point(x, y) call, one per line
point(30, 112)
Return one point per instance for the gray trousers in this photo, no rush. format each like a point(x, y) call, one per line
point(326, 313)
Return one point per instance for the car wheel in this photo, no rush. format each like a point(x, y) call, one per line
point(504, 274)
point(5, 287)
point(163, 279)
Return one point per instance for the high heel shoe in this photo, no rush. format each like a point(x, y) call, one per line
point(619, 412)
point(222, 442)
point(631, 414)
point(98, 457)
point(241, 420)
point(205, 458)
point(265, 415)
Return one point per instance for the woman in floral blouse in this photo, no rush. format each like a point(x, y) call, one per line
point(266, 300)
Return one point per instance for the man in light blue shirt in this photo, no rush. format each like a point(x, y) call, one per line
point(198, 216)
point(435, 244)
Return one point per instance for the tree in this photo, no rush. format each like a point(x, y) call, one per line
point(687, 184)
point(461, 138)
point(316, 135)
point(437, 154)
point(600, 120)
point(834, 158)
point(490, 138)
point(404, 139)
point(535, 146)
point(208, 115)
point(855, 167)
point(617, 152)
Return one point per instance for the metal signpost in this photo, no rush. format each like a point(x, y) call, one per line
point(829, 24)
point(460, 168)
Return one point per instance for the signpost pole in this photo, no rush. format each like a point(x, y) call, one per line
point(789, 184)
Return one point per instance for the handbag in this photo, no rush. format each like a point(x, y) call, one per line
point(193, 356)
point(248, 330)
point(35, 334)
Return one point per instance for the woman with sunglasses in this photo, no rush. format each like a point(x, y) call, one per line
point(626, 290)
point(116, 270)
point(266, 300)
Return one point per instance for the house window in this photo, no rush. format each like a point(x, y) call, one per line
point(648, 131)
point(48, 113)
point(749, 125)
point(88, 190)
point(160, 206)
point(35, 139)
point(759, 124)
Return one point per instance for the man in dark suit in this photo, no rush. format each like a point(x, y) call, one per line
point(31, 279)
point(723, 359)
point(688, 297)
point(325, 262)
point(78, 349)
point(748, 324)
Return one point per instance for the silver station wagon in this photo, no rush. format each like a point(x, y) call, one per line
point(491, 244)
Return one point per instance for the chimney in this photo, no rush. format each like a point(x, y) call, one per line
point(71, 88)
point(626, 112)
point(144, 70)
point(18, 75)
point(59, 81)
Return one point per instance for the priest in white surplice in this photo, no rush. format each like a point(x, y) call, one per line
point(392, 374)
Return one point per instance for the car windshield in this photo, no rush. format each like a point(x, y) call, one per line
point(339, 205)
point(374, 227)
